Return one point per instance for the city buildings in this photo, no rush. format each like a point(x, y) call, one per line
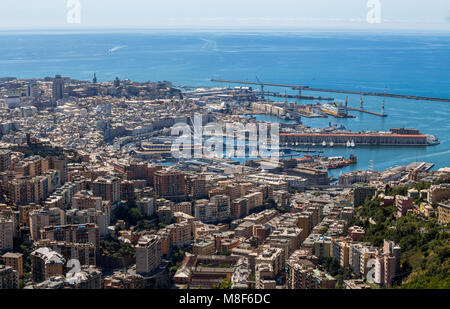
point(303, 274)
point(57, 88)
point(170, 185)
point(6, 234)
point(91, 178)
point(46, 263)
point(108, 188)
point(148, 254)
point(9, 277)
point(444, 213)
point(14, 260)
point(403, 204)
point(82, 233)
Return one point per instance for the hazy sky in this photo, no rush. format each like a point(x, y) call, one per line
point(397, 14)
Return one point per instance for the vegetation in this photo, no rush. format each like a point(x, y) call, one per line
point(442, 180)
point(145, 225)
point(332, 266)
point(25, 248)
point(225, 253)
point(175, 262)
point(133, 216)
point(114, 248)
point(425, 245)
point(270, 203)
point(223, 285)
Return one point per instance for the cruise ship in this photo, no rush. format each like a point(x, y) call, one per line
point(333, 109)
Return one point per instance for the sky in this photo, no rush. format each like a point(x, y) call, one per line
point(424, 15)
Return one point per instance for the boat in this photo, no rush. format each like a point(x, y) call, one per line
point(331, 144)
point(324, 144)
point(352, 144)
point(333, 109)
point(349, 144)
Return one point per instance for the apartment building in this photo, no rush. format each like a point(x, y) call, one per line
point(46, 263)
point(148, 254)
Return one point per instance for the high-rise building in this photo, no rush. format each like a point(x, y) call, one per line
point(6, 234)
point(361, 193)
point(340, 251)
point(403, 204)
point(85, 200)
point(15, 260)
point(5, 159)
point(184, 207)
point(205, 211)
point(57, 88)
point(196, 186)
point(127, 190)
point(77, 233)
point(303, 274)
point(45, 217)
point(137, 170)
point(117, 82)
point(108, 188)
point(148, 254)
point(239, 208)
point(46, 263)
point(181, 233)
point(170, 185)
point(9, 278)
point(272, 256)
point(59, 164)
point(222, 203)
point(85, 253)
point(146, 205)
point(33, 91)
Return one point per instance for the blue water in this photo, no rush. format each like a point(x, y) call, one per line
point(401, 63)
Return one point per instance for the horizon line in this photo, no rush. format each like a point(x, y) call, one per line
point(267, 29)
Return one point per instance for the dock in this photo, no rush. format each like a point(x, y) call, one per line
point(361, 110)
point(298, 97)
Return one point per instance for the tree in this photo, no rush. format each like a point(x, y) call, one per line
point(425, 245)
point(223, 285)
point(135, 215)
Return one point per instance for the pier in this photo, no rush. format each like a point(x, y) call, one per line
point(366, 111)
point(299, 97)
point(302, 87)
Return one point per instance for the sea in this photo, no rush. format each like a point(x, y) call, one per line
point(403, 63)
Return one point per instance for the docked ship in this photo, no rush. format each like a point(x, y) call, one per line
point(334, 110)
